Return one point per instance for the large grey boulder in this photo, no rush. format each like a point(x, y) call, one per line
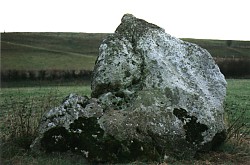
point(153, 96)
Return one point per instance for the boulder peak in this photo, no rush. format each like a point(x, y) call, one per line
point(128, 17)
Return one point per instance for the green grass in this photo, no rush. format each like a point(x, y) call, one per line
point(238, 94)
point(27, 92)
point(237, 99)
point(21, 111)
point(237, 108)
point(239, 88)
point(46, 159)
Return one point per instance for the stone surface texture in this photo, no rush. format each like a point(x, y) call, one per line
point(153, 96)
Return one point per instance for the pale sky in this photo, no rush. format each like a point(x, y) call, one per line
point(211, 19)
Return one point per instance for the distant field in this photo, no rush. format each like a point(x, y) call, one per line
point(49, 51)
point(20, 57)
point(83, 43)
point(222, 48)
point(78, 51)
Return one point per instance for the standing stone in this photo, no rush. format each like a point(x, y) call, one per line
point(153, 95)
point(159, 88)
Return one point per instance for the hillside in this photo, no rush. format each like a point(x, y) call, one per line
point(47, 51)
point(37, 51)
point(224, 48)
point(83, 43)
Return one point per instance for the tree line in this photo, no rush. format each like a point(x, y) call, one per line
point(230, 67)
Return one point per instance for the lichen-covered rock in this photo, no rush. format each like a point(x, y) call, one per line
point(153, 96)
point(75, 126)
point(159, 89)
point(59, 120)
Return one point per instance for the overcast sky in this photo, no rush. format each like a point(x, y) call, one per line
point(212, 19)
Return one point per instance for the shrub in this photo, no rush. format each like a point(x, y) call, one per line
point(234, 67)
point(54, 74)
point(229, 43)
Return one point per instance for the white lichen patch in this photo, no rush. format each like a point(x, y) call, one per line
point(85, 153)
point(57, 138)
point(94, 136)
point(50, 125)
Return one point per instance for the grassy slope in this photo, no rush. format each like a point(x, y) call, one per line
point(36, 51)
point(86, 43)
point(219, 48)
point(27, 58)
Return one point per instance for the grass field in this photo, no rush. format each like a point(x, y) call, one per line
point(48, 51)
point(220, 48)
point(58, 93)
point(21, 111)
point(22, 57)
point(38, 51)
point(238, 93)
point(13, 151)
